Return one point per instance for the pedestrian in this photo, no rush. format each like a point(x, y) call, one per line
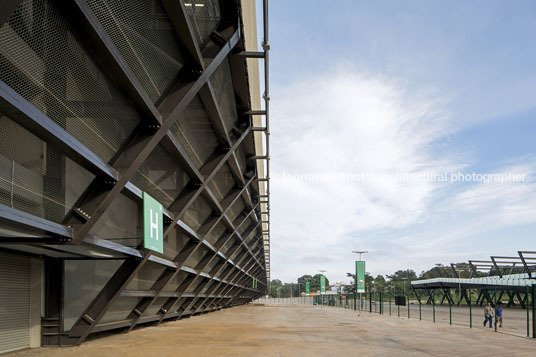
point(488, 314)
point(499, 314)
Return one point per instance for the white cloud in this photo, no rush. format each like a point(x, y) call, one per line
point(349, 122)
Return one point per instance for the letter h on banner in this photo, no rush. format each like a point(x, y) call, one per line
point(152, 224)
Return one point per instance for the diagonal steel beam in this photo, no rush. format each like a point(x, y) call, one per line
point(82, 19)
point(201, 265)
point(219, 269)
point(184, 286)
point(139, 149)
point(106, 297)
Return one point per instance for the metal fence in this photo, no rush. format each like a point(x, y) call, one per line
point(517, 314)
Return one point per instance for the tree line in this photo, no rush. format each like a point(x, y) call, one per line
point(399, 281)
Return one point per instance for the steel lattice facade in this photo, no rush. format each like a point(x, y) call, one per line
point(102, 100)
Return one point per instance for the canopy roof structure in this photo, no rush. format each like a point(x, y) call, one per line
point(514, 273)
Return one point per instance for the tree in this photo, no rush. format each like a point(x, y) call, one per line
point(379, 282)
point(274, 285)
point(401, 280)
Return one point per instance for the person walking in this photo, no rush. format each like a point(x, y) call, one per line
point(499, 314)
point(488, 314)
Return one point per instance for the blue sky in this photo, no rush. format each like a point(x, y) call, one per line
point(400, 86)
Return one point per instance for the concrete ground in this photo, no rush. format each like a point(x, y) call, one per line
point(298, 330)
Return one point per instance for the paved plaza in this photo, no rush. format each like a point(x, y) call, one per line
point(298, 330)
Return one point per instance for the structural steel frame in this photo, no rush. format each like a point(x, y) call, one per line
point(229, 281)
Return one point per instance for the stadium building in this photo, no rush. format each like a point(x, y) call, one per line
point(133, 165)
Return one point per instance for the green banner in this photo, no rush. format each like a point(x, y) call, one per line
point(307, 287)
point(153, 237)
point(254, 285)
point(360, 276)
point(322, 284)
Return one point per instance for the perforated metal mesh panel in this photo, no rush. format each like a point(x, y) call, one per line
point(216, 233)
point(174, 242)
point(241, 157)
point(78, 293)
point(236, 209)
point(197, 213)
point(120, 309)
point(205, 17)
point(146, 276)
point(161, 177)
point(245, 226)
point(195, 132)
point(120, 223)
point(223, 89)
point(42, 59)
point(222, 183)
point(34, 177)
point(141, 32)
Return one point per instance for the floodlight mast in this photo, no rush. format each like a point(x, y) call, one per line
point(360, 252)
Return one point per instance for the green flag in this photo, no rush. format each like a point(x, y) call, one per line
point(360, 276)
point(307, 287)
point(322, 284)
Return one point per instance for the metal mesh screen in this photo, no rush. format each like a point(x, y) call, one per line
point(236, 209)
point(225, 249)
point(173, 284)
point(241, 157)
point(146, 276)
point(34, 177)
point(174, 243)
point(244, 227)
point(43, 60)
point(120, 223)
point(205, 17)
point(223, 89)
point(141, 32)
point(215, 234)
point(197, 213)
point(120, 309)
point(153, 309)
point(222, 183)
point(78, 293)
point(196, 257)
point(195, 133)
point(161, 177)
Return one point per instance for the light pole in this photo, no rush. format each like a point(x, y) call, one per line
point(322, 273)
point(299, 292)
point(459, 286)
point(360, 252)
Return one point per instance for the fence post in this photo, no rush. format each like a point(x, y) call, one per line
point(408, 304)
point(450, 308)
point(470, 309)
point(533, 296)
point(495, 306)
point(390, 296)
point(433, 304)
point(527, 308)
point(420, 304)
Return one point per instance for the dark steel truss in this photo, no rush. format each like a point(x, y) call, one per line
point(236, 259)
